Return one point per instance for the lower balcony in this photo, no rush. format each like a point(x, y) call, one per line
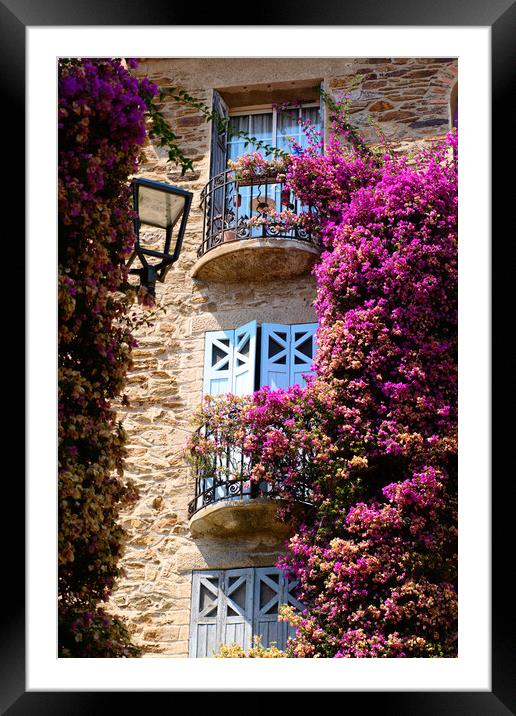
point(228, 502)
point(255, 231)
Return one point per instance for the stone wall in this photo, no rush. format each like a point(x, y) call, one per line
point(409, 101)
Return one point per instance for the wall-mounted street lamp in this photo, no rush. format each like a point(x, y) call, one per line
point(165, 207)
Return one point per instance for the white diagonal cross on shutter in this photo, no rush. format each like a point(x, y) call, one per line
point(244, 359)
point(218, 362)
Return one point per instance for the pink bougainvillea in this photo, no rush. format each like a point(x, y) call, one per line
point(375, 555)
point(101, 117)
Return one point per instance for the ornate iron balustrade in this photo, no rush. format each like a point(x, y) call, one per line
point(232, 207)
point(228, 478)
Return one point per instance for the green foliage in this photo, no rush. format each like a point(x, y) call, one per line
point(223, 123)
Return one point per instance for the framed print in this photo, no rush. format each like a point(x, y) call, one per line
point(247, 352)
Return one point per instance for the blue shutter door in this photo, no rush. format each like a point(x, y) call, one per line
point(302, 351)
point(205, 619)
point(230, 360)
point(230, 606)
point(288, 598)
point(218, 164)
point(218, 362)
point(218, 379)
point(271, 589)
point(267, 593)
point(275, 356)
point(244, 359)
point(218, 159)
point(322, 111)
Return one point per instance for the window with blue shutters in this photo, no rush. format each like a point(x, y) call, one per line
point(285, 352)
point(276, 128)
point(232, 606)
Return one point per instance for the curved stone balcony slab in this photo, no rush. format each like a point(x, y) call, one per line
point(254, 230)
point(238, 517)
point(256, 259)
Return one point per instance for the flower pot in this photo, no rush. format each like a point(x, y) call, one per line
point(229, 236)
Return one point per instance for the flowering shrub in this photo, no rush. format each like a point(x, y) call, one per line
point(385, 587)
point(375, 558)
point(101, 131)
point(226, 429)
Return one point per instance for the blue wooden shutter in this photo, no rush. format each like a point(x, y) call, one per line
point(267, 599)
point(230, 360)
point(218, 164)
point(205, 619)
point(244, 359)
point(275, 356)
point(218, 159)
point(302, 351)
point(218, 362)
point(287, 597)
point(322, 111)
point(287, 353)
point(237, 607)
point(271, 589)
point(244, 365)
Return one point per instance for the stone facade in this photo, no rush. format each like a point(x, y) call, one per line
point(409, 100)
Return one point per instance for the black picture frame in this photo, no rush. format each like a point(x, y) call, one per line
point(500, 16)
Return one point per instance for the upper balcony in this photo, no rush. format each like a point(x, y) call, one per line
point(228, 502)
point(253, 231)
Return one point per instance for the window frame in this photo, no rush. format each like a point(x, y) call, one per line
point(267, 109)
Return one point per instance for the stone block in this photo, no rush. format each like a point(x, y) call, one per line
point(380, 106)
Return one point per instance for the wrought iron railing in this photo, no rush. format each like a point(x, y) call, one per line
point(227, 477)
point(232, 209)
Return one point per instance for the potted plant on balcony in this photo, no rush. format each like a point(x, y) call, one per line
point(279, 223)
point(253, 167)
